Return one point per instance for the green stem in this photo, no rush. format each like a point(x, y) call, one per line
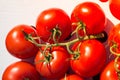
point(57, 33)
point(67, 44)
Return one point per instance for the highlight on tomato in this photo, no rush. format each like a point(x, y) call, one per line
point(17, 44)
point(53, 25)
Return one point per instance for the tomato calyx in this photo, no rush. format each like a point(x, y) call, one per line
point(56, 34)
point(80, 27)
point(48, 56)
point(46, 52)
point(76, 54)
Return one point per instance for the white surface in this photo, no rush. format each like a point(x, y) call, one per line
point(14, 12)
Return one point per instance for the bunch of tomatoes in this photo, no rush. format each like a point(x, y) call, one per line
point(64, 48)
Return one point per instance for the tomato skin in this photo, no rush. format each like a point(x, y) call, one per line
point(92, 58)
point(16, 43)
point(114, 6)
point(91, 14)
point(48, 19)
point(72, 77)
point(20, 71)
point(114, 36)
point(103, 0)
point(109, 73)
point(57, 66)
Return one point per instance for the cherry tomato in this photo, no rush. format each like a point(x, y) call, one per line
point(50, 19)
point(72, 77)
point(90, 58)
point(114, 37)
point(16, 43)
point(109, 73)
point(91, 14)
point(55, 64)
point(114, 6)
point(20, 71)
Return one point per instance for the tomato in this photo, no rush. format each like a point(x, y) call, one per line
point(56, 65)
point(90, 58)
point(109, 73)
point(114, 6)
point(103, 0)
point(50, 19)
point(20, 71)
point(16, 43)
point(114, 37)
point(72, 77)
point(91, 14)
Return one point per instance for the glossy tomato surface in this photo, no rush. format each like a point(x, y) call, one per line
point(114, 6)
point(91, 14)
point(91, 58)
point(109, 73)
point(16, 43)
point(50, 19)
point(58, 63)
point(21, 71)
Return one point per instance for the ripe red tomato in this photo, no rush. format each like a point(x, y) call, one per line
point(114, 37)
point(91, 14)
point(20, 71)
point(53, 18)
point(109, 73)
point(58, 62)
point(91, 58)
point(103, 0)
point(16, 43)
point(72, 77)
point(114, 6)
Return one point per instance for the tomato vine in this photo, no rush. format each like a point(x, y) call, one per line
point(55, 31)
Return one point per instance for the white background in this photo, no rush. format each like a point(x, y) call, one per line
point(14, 12)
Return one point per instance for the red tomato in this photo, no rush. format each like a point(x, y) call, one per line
point(16, 43)
point(114, 6)
point(51, 18)
point(91, 14)
point(58, 62)
point(114, 37)
point(103, 0)
point(72, 77)
point(91, 58)
point(109, 73)
point(21, 71)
